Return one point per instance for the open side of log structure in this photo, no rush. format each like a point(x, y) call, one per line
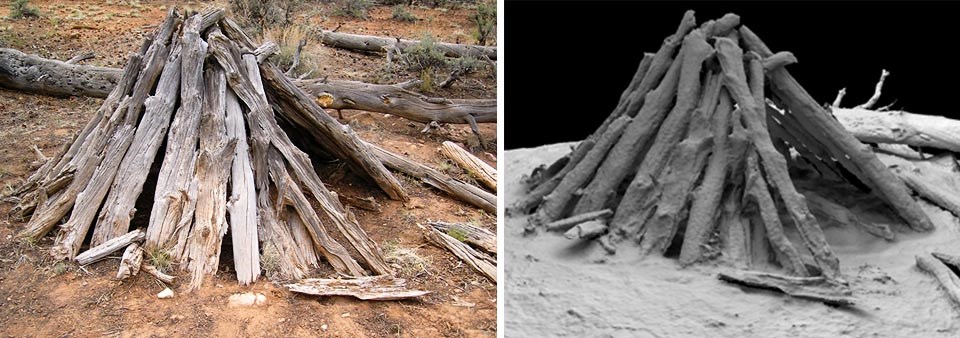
point(696, 155)
point(197, 102)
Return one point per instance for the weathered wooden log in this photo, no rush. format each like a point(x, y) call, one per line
point(243, 197)
point(263, 125)
point(840, 142)
point(683, 170)
point(476, 236)
point(569, 222)
point(549, 178)
point(130, 262)
point(101, 251)
point(395, 100)
point(555, 204)
point(821, 289)
point(118, 208)
point(774, 165)
point(476, 167)
point(705, 203)
point(901, 127)
point(459, 190)
point(940, 271)
point(365, 203)
point(481, 262)
point(929, 179)
point(634, 142)
point(372, 43)
point(635, 206)
point(363, 288)
point(301, 237)
point(175, 197)
point(764, 213)
point(201, 255)
point(34, 74)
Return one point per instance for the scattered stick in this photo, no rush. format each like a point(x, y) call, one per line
point(101, 251)
point(363, 288)
point(481, 262)
point(876, 92)
point(81, 57)
point(820, 289)
point(153, 271)
point(587, 230)
point(569, 222)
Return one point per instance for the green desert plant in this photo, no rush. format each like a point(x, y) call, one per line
point(402, 14)
point(486, 19)
point(457, 234)
point(21, 9)
point(353, 8)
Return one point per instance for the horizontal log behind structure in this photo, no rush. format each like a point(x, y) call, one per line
point(382, 43)
point(33, 74)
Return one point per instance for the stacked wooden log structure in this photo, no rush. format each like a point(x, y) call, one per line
point(198, 105)
point(696, 155)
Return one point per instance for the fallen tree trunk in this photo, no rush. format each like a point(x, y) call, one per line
point(482, 262)
point(900, 127)
point(476, 167)
point(33, 74)
point(819, 289)
point(382, 44)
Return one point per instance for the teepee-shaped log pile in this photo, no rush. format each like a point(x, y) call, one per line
point(695, 150)
point(199, 106)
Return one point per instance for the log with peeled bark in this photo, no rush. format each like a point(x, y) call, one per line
point(476, 167)
point(363, 288)
point(459, 190)
point(900, 127)
point(482, 262)
point(381, 44)
point(20, 71)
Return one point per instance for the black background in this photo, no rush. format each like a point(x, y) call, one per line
point(568, 62)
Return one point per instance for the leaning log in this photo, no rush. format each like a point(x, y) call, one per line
point(33, 74)
point(372, 43)
point(101, 251)
point(939, 269)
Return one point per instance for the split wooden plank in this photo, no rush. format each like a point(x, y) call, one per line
point(301, 237)
point(459, 190)
point(481, 262)
point(243, 197)
point(101, 251)
point(939, 270)
point(821, 289)
point(840, 142)
point(569, 222)
point(175, 197)
point(477, 168)
point(476, 236)
point(363, 288)
point(118, 208)
point(201, 255)
point(130, 262)
point(774, 165)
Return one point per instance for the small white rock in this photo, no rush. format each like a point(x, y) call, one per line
point(345, 315)
point(247, 299)
point(323, 327)
point(166, 293)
